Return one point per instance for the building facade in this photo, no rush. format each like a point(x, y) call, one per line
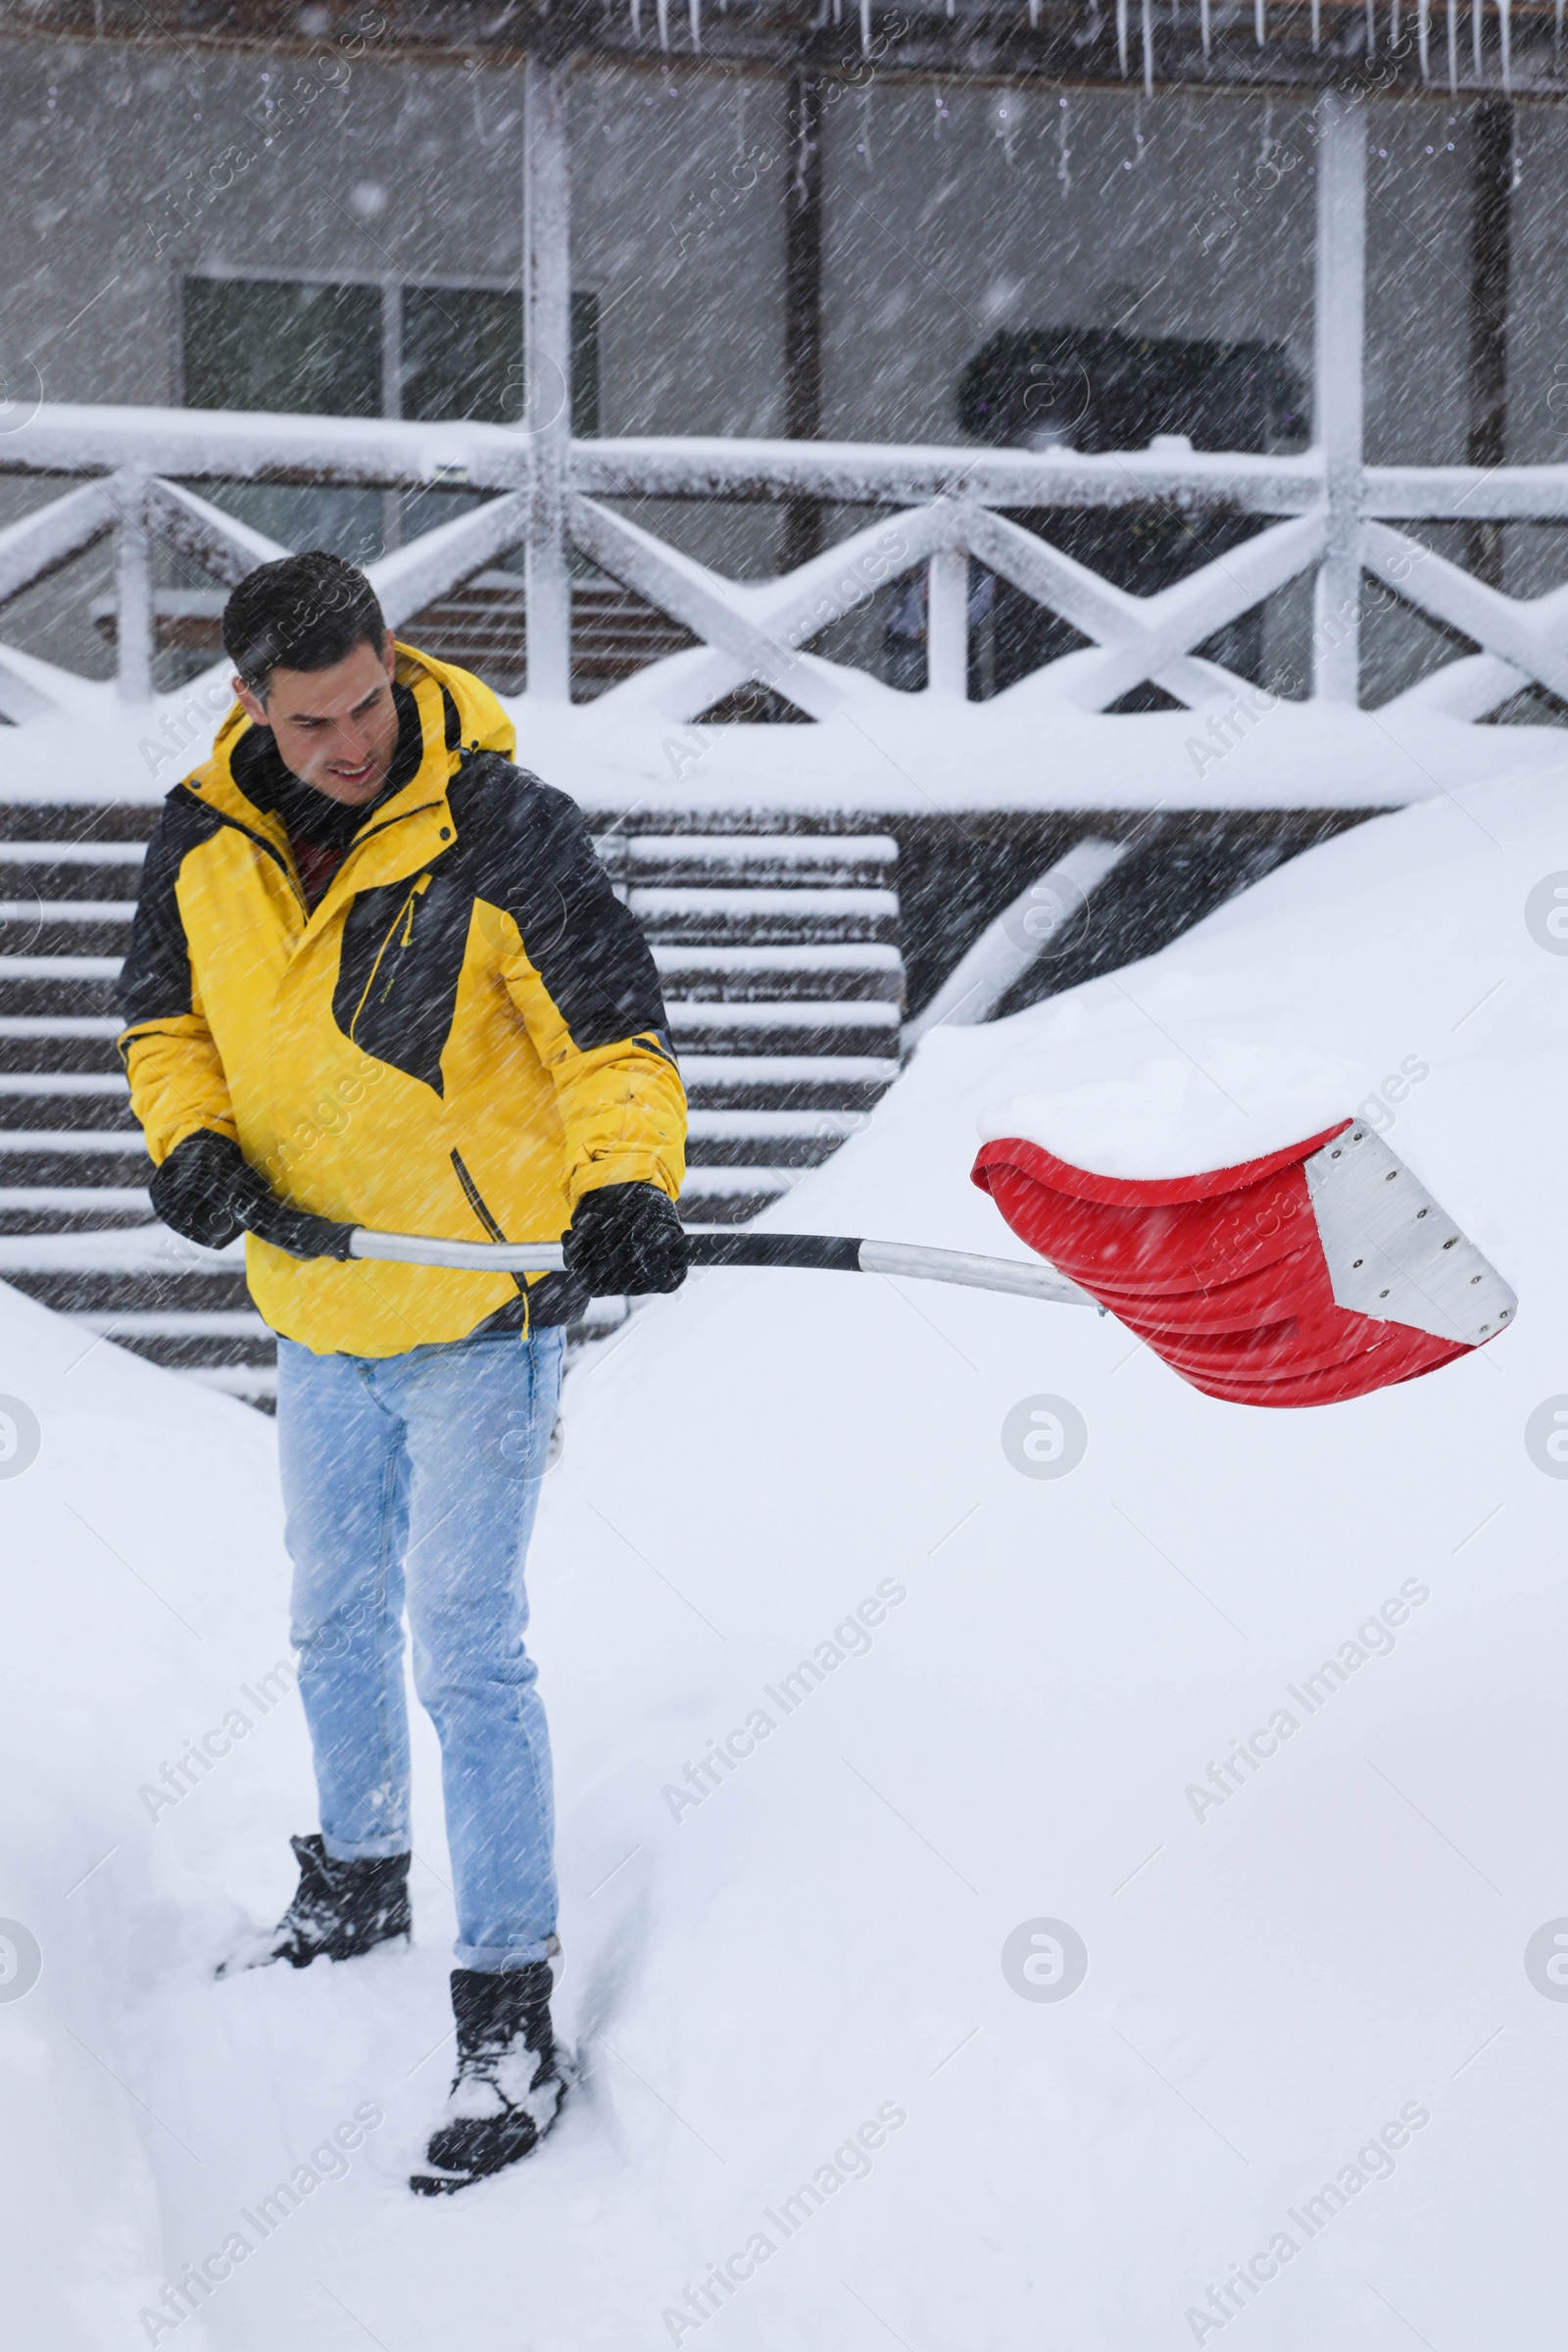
point(309, 215)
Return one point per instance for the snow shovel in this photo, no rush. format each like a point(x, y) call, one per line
point(1315, 1274)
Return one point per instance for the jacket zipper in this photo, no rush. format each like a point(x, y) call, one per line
point(404, 915)
point(476, 1201)
point(277, 854)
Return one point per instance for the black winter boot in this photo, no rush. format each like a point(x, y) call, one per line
point(508, 2089)
point(339, 1908)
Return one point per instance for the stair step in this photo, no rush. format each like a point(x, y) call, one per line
point(792, 1138)
point(69, 911)
point(92, 1292)
point(696, 926)
point(785, 1081)
point(733, 1196)
point(127, 1251)
point(191, 1353)
point(78, 1141)
point(65, 1026)
point(764, 915)
point(807, 1026)
point(257, 1384)
point(76, 1196)
point(863, 972)
point(788, 1069)
point(842, 860)
point(131, 854)
point(60, 967)
point(706, 1154)
point(219, 1323)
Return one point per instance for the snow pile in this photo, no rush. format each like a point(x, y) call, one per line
point(851, 1704)
point(1216, 1054)
point(1225, 1098)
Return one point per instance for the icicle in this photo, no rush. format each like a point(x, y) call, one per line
point(1454, 48)
point(1371, 28)
point(865, 27)
point(1556, 30)
point(1423, 36)
point(1034, 16)
point(1205, 27)
point(1477, 32)
point(1505, 38)
point(636, 19)
point(1317, 23)
point(1259, 27)
point(1064, 150)
point(694, 11)
point(1394, 22)
point(1121, 36)
point(1149, 52)
point(663, 24)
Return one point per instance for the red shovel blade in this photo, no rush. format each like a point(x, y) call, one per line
point(1315, 1274)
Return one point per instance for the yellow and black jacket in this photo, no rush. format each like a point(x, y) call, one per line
point(461, 1037)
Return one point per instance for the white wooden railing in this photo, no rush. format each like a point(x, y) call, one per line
point(1337, 519)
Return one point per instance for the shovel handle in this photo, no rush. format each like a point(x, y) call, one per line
point(830, 1254)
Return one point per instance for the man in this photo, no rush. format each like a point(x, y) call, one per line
point(378, 977)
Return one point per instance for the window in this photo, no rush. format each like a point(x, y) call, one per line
point(461, 354)
point(461, 349)
point(330, 349)
point(260, 343)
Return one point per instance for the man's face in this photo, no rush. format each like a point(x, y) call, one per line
point(336, 729)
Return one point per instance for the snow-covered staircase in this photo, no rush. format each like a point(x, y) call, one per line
point(784, 981)
point(782, 973)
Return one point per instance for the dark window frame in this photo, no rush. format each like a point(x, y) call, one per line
point(392, 358)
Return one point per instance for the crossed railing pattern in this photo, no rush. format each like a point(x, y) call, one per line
point(936, 508)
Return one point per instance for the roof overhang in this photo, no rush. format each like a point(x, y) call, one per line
point(1366, 45)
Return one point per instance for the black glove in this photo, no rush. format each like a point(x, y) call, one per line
point(626, 1237)
point(208, 1190)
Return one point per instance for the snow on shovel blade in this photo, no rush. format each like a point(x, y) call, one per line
point(1316, 1273)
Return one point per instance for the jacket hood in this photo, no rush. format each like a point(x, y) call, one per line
point(458, 713)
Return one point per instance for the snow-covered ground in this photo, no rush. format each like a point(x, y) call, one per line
point(1306, 2040)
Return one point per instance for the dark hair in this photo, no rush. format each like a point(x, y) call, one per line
point(301, 613)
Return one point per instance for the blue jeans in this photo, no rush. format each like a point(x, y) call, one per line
point(414, 1479)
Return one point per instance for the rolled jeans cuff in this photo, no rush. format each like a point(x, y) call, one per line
point(494, 1959)
point(371, 1849)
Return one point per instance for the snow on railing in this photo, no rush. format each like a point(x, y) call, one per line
point(944, 506)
